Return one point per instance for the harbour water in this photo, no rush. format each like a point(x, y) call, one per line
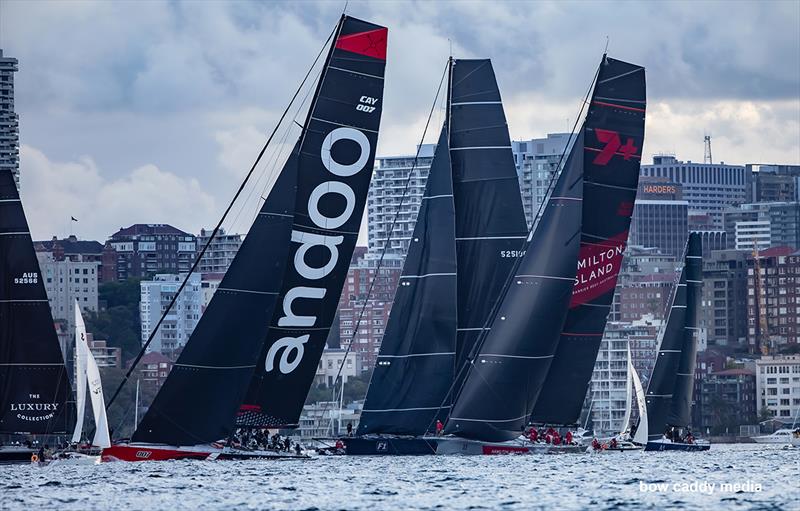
point(760, 477)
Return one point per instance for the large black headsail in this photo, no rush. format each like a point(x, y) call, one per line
point(681, 410)
point(199, 401)
point(33, 378)
point(506, 374)
point(416, 361)
point(662, 386)
point(337, 151)
point(490, 221)
point(612, 142)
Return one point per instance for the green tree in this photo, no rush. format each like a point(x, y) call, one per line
point(119, 322)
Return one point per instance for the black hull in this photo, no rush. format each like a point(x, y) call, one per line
point(664, 446)
point(15, 455)
point(360, 446)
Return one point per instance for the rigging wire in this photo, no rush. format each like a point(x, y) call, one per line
point(511, 275)
point(379, 265)
point(219, 224)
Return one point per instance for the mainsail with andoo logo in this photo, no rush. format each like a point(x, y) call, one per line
point(33, 378)
point(335, 159)
point(612, 143)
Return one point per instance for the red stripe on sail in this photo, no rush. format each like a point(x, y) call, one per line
point(371, 43)
point(614, 105)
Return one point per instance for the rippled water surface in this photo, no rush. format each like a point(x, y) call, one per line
point(597, 481)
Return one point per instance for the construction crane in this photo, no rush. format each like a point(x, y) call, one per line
point(762, 329)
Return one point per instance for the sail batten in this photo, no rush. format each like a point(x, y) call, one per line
point(613, 137)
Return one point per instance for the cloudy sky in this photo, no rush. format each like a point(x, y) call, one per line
point(153, 111)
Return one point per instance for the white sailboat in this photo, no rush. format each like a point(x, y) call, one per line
point(623, 441)
point(87, 377)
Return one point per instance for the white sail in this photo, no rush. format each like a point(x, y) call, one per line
point(88, 372)
point(641, 432)
point(628, 396)
point(81, 349)
point(101, 435)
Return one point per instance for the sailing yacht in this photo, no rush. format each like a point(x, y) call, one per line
point(469, 229)
point(669, 393)
point(87, 378)
point(550, 302)
point(614, 135)
point(33, 377)
point(252, 357)
point(624, 440)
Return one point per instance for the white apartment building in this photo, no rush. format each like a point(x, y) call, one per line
point(383, 200)
point(183, 317)
point(610, 375)
point(332, 359)
point(68, 280)
point(221, 251)
point(778, 386)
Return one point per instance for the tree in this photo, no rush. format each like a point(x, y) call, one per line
point(119, 322)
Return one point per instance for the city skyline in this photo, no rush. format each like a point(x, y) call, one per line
point(161, 121)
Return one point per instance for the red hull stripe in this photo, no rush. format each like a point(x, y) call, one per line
point(497, 449)
point(371, 43)
point(614, 105)
point(133, 453)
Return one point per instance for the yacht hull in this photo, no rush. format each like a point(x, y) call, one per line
point(148, 452)
point(391, 446)
point(673, 446)
point(12, 455)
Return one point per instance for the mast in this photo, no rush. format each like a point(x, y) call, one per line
point(335, 158)
point(505, 375)
point(613, 137)
point(33, 378)
point(628, 394)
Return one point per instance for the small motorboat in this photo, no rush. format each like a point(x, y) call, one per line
point(781, 437)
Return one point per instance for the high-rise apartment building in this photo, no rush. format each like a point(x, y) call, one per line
point(179, 324)
point(707, 187)
point(142, 250)
point(779, 278)
point(537, 162)
point(220, 252)
point(390, 181)
point(610, 375)
point(67, 280)
point(9, 120)
point(723, 314)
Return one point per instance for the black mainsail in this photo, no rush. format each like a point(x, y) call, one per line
point(681, 409)
point(505, 376)
point(490, 220)
point(33, 378)
point(669, 393)
point(612, 139)
point(415, 365)
point(198, 402)
point(337, 150)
